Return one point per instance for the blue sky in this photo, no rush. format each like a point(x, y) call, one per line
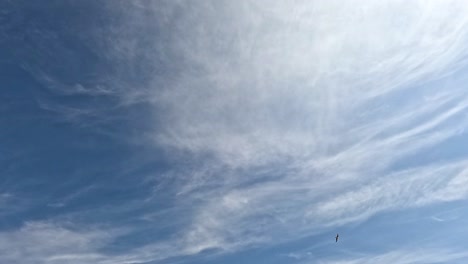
point(233, 132)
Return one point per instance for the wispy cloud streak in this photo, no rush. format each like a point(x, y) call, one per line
point(407, 257)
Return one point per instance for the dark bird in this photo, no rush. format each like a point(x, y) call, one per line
point(336, 238)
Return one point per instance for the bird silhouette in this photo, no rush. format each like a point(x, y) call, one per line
point(336, 238)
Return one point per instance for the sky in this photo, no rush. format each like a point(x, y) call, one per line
point(144, 132)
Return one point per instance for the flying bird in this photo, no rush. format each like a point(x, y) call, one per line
point(336, 238)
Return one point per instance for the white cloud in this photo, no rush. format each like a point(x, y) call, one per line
point(49, 242)
point(290, 80)
point(405, 189)
point(417, 256)
point(42, 242)
point(313, 100)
